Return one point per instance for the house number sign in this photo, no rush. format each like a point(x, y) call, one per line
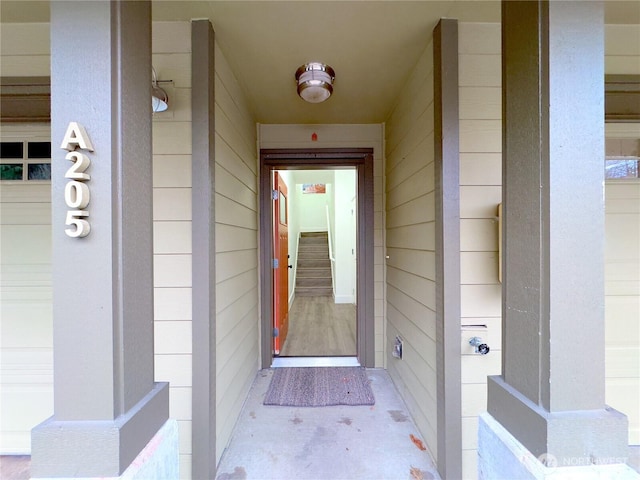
point(76, 192)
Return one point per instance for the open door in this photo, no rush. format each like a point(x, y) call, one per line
point(280, 263)
point(273, 285)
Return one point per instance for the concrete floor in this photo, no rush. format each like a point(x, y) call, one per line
point(342, 442)
point(328, 443)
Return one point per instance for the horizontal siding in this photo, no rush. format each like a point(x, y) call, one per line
point(480, 193)
point(410, 237)
point(236, 214)
point(25, 49)
point(622, 49)
point(172, 217)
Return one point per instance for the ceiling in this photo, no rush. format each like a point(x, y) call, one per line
point(372, 46)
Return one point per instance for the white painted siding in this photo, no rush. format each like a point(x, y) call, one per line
point(171, 45)
point(237, 307)
point(26, 320)
point(347, 136)
point(480, 193)
point(410, 221)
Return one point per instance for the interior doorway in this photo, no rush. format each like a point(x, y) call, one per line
point(321, 222)
point(339, 302)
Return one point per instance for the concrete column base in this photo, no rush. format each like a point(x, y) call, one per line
point(159, 460)
point(501, 456)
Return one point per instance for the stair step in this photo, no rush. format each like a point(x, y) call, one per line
point(314, 263)
point(313, 272)
point(313, 247)
point(313, 282)
point(313, 291)
point(313, 254)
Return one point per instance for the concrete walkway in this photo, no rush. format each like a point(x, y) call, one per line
point(327, 443)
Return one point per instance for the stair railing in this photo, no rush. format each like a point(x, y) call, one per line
point(331, 257)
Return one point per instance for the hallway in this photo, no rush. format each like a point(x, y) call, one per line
point(342, 442)
point(319, 327)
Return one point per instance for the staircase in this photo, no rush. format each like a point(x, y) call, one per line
point(313, 274)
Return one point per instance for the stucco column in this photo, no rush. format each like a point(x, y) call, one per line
point(550, 396)
point(106, 404)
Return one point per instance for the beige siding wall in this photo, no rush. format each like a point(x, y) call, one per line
point(480, 194)
point(237, 324)
point(410, 221)
point(172, 226)
point(347, 136)
point(25, 49)
point(622, 49)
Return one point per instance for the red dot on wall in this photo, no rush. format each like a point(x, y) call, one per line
point(314, 137)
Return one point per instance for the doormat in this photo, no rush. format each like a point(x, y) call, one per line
point(319, 387)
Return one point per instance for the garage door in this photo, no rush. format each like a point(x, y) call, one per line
point(622, 287)
point(26, 342)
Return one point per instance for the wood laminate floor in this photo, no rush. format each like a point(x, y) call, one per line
point(319, 327)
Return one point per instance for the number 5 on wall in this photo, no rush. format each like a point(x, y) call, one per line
point(82, 226)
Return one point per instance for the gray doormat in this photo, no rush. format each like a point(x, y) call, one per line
point(319, 387)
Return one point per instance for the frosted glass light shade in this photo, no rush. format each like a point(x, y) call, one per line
point(315, 82)
point(159, 104)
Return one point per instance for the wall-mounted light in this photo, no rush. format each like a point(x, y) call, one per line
point(159, 98)
point(315, 82)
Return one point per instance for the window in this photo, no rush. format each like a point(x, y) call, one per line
point(621, 167)
point(25, 161)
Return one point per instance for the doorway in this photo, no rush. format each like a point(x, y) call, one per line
point(359, 161)
point(322, 249)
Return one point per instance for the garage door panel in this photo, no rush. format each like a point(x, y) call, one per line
point(36, 213)
point(25, 193)
point(29, 327)
point(622, 302)
point(25, 244)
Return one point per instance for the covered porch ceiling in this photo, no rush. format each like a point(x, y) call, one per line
point(373, 46)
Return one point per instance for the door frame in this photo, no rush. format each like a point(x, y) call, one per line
point(321, 159)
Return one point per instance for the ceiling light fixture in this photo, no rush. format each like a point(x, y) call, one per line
point(159, 98)
point(315, 82)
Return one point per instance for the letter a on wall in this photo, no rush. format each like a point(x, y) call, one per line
point(76, 136)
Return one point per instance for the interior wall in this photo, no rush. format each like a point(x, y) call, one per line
point(410, 232)
point(344, 232)
point(312, 214)
point(237, 307)
point(347, 136)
